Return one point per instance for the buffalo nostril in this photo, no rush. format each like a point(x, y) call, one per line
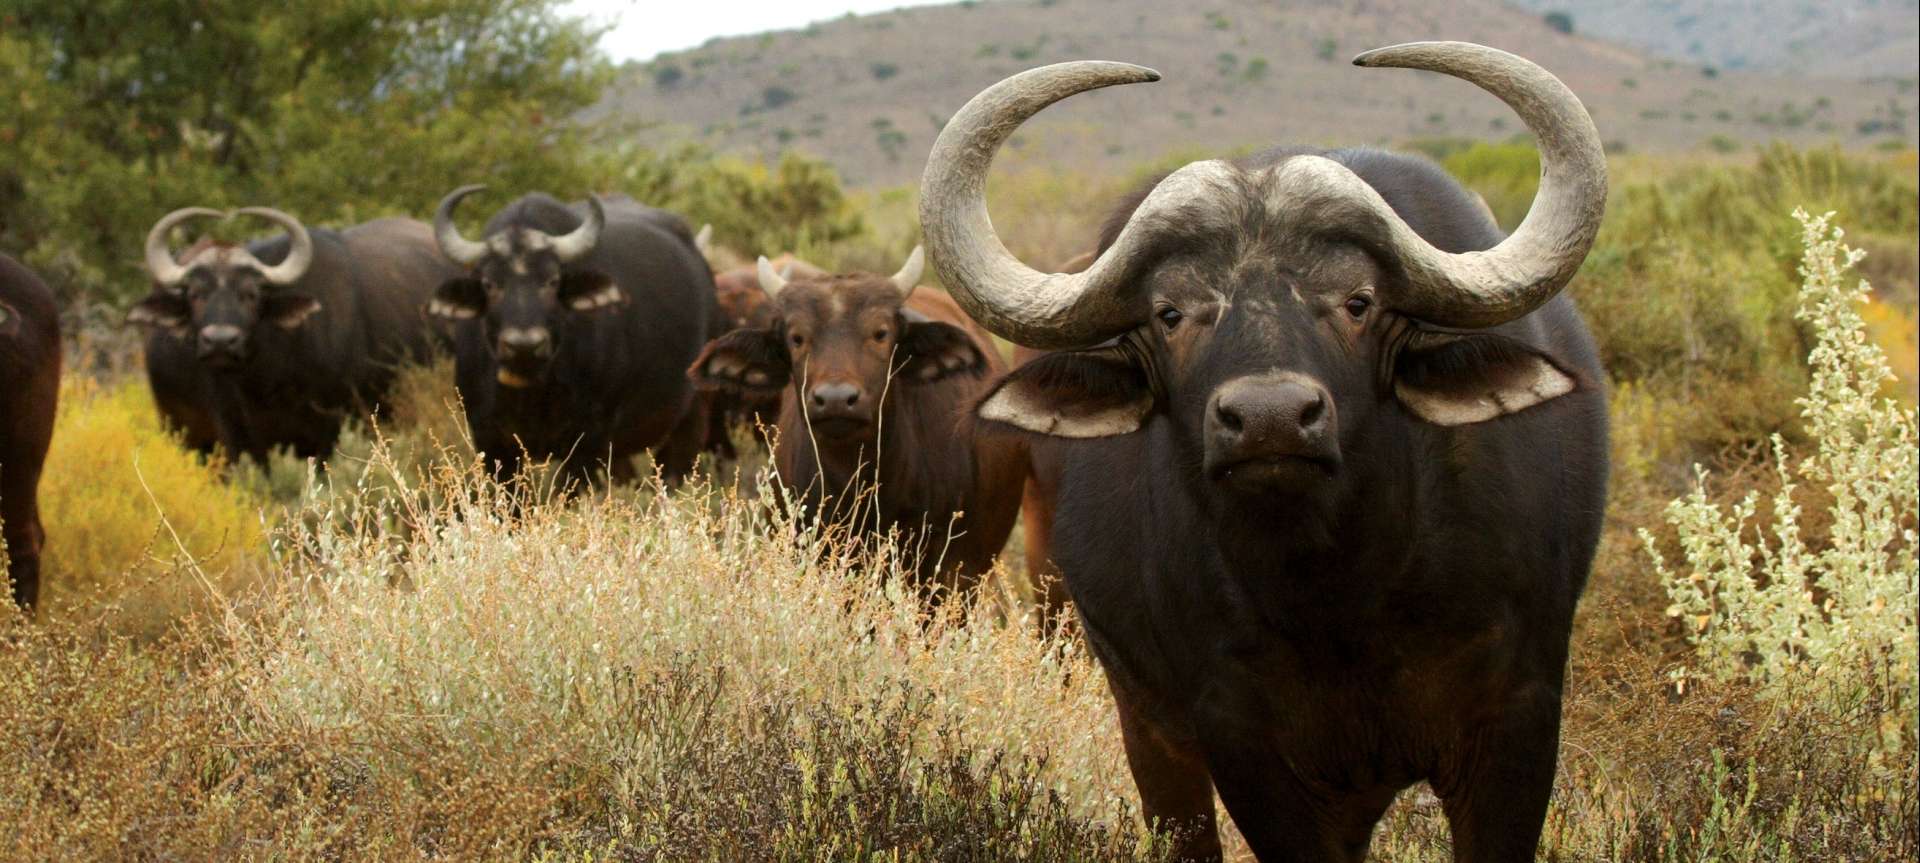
point(1228, 417)
point(853, 399)
point(1312, 411)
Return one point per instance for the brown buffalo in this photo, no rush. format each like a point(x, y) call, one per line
point(29, 388)
point(743, 305)
point(875, 380)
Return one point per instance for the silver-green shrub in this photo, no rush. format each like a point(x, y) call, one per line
point(1762, 601)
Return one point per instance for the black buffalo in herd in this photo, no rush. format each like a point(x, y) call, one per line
point(29, 387)
point(1329, 456)
point(1317, 453)
point(276, 343)
point(573, 328)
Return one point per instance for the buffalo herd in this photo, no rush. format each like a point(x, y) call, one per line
point(1315, 453)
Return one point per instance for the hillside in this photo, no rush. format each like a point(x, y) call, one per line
point(1819, 38)
point(869, 93)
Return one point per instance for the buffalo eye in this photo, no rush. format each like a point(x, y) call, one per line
point(1358, 304)
point(798, 341)
point(880, 335)
point(1170, 317)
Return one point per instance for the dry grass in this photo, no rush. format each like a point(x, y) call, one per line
point(637, 675)
point(402, 659)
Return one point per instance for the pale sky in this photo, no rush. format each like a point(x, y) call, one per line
point(644, 28)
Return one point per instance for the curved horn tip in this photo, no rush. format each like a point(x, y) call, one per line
point(1367, 58)
point(583, 239)
point(909, 276)
point(159, 261)
point(1417, 55)
point(1385, 55)
point(1005, 295)
point(299, 250)
point(447, 236)
point(770, 281)
point(1132, 73)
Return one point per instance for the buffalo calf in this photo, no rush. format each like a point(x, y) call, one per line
point(875, 380)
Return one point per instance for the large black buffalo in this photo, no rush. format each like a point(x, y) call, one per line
point(574, 328)
point(29, 389)
point(276, 343)
point(1331, 458)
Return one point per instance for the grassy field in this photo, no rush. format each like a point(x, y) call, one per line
point(396, 658)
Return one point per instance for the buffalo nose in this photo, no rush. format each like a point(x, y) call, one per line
point(524, 341)
point(220, 338)
point(835, 398)
point(1269, 417)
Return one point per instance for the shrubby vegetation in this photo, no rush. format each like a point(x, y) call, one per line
point(139, 530)
point(1764, 600)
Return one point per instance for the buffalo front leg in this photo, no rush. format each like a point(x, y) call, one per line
point(1496, 796)
point(1049, 587)
point(1284, 818)
point(20, 526)
point(1175, 794)
point(682, 448)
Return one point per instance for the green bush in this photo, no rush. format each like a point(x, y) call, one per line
point(753, 208)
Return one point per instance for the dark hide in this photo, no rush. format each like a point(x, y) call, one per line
point(1037, 499)
point(29, 388)
point(743, 305)
point(1388, 603)
point(614, 383)
point(174, 376)
point(904, 460)
point(316, 352)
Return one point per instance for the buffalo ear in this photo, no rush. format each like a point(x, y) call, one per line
point(168, 310)
point(586, 291)
point(1454, 380)
point(288, 309)
point(9, 320)
point(459, 299)
point(936, 351)
point(1080, 394)
point(752, 361)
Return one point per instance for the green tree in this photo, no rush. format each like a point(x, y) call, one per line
point(794, 204)
point(116, 111)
